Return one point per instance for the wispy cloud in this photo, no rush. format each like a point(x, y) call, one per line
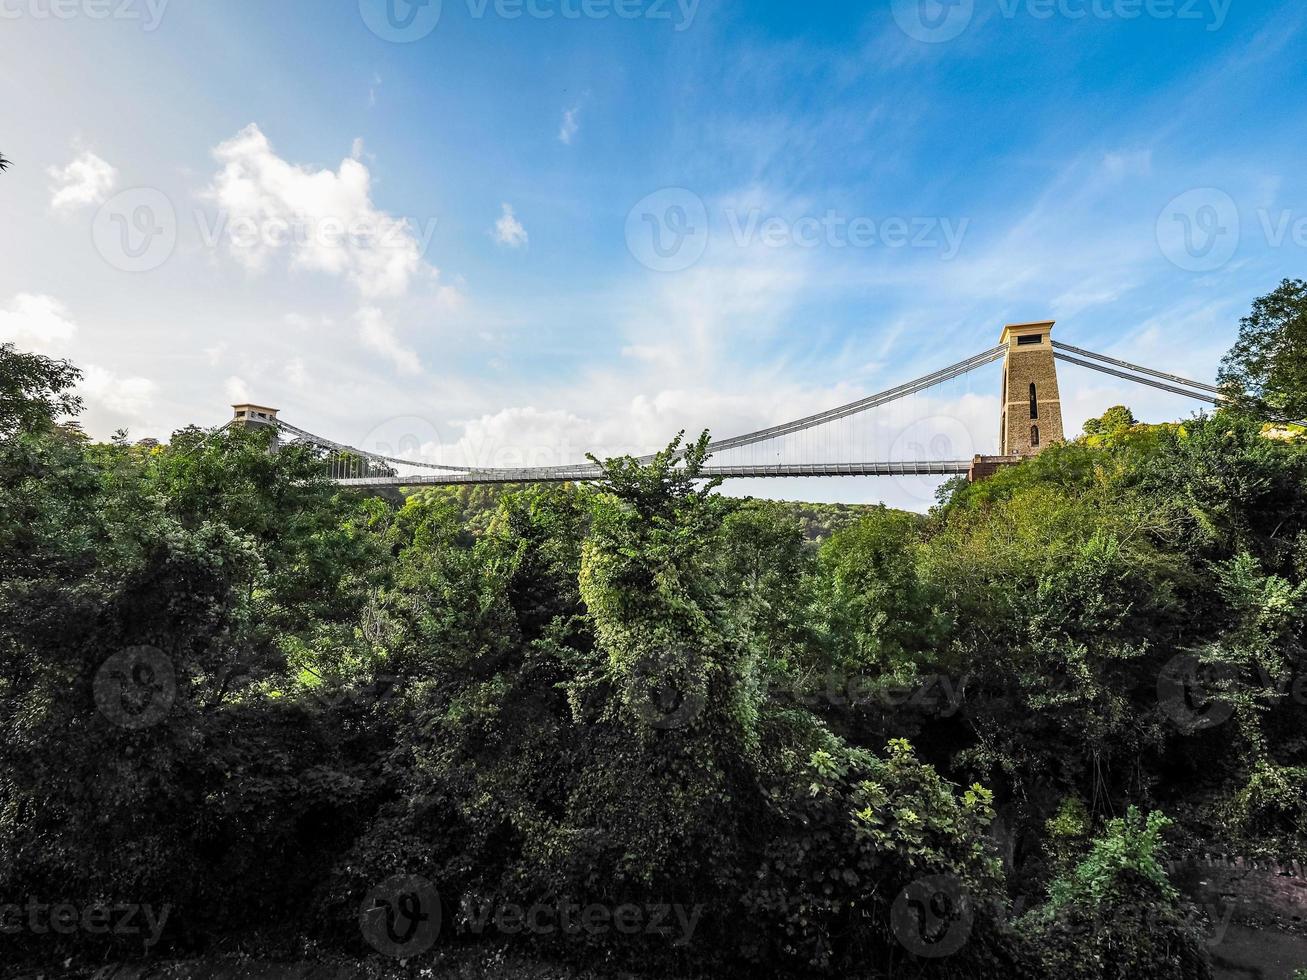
point(378, 336)
point(570, 126)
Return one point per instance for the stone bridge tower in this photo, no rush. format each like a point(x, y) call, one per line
point(1032, 406)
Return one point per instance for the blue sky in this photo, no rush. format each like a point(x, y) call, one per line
point(873, 190)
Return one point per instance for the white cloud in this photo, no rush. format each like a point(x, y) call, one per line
point(87, 180)
point(43, 324)
point(237, 391)
point(570, 125)
point(324, 220)
point(508, 230)
point(36, 323)
point(379, 336)
point(125, 396)
point(296, 373)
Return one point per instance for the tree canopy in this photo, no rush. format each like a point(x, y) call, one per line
point(962, 744)
point(1266, 370)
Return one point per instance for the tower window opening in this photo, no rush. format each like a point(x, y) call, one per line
point(1034, 401)
point(1030, 340)
point(1034, 435)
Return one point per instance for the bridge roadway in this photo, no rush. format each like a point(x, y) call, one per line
point(578, 474)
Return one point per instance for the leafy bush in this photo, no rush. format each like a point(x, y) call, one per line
point(1116, 915)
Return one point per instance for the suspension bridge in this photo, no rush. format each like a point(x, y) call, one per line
point(847, 440)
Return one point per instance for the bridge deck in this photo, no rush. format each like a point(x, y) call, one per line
point(948, 467)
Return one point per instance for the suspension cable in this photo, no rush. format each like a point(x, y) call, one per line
point(590, 470)
point(375, 457)
point(1135, 367)
point(1210, 399)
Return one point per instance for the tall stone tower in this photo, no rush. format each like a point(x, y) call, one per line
point(1032, 407)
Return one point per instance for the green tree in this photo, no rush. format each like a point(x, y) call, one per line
point(1116, 915)
point(1113, 420)
point(1266, 370)
point(875, 607)
point(34, 391)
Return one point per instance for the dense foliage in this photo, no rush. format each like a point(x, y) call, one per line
point(919, 745)
point(1267, 367)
